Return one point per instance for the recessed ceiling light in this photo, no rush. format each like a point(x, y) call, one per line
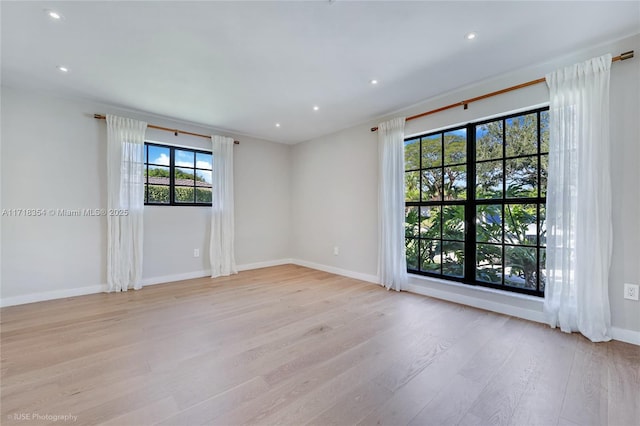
point(374, 81)
point(277, 124)
point(316, 107)
point(470, 36)
point(62, 69)
point(53, 14)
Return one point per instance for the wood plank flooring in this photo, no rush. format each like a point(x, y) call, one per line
point(294, 346)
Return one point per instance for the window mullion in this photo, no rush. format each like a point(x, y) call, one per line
point(419, 236)
point(172, 183)
point(470, 207)
point(504, 199)
point(146, 173)
point(442, 201)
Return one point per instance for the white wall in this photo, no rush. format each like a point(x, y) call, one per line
point(335, 178)
point(53, 157)
point(334, 198)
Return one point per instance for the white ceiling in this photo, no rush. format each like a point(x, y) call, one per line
point(243, 66)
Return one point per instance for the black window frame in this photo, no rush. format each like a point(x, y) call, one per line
point(470, 204)
point(172, 167)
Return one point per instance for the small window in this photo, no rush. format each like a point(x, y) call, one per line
point(177, 176)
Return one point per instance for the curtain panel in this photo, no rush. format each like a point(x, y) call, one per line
point(125, 192)
point(392, 266)
point(579, 225)
point(221, 249)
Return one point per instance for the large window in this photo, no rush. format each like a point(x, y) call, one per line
point(177, 176)
point(475, 202)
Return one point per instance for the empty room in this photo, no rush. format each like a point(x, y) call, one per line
point(320, 213)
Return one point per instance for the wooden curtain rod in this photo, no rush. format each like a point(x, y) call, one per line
point(465, 104)
point(166, 129)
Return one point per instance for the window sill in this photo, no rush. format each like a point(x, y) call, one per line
point(177, 205)
point(515, 304)
point(477, 288)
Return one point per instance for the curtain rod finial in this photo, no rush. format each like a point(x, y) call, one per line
point(626, 55)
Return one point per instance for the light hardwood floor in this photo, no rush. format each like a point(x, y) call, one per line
point(291, 345)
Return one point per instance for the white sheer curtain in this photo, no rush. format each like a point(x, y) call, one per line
point(221, 250)
point(125, 186)
point(579, 200)
point(392, 266)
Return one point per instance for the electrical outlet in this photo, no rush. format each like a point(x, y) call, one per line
point(196, 252)
point(336, 250)
point(631, 291)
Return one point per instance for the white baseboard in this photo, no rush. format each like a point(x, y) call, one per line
point(207, 272)
point(50, 295)
point(337, 271)
point(101, 288)
point(176, 277)
point(624, 335)
point(267, 264)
